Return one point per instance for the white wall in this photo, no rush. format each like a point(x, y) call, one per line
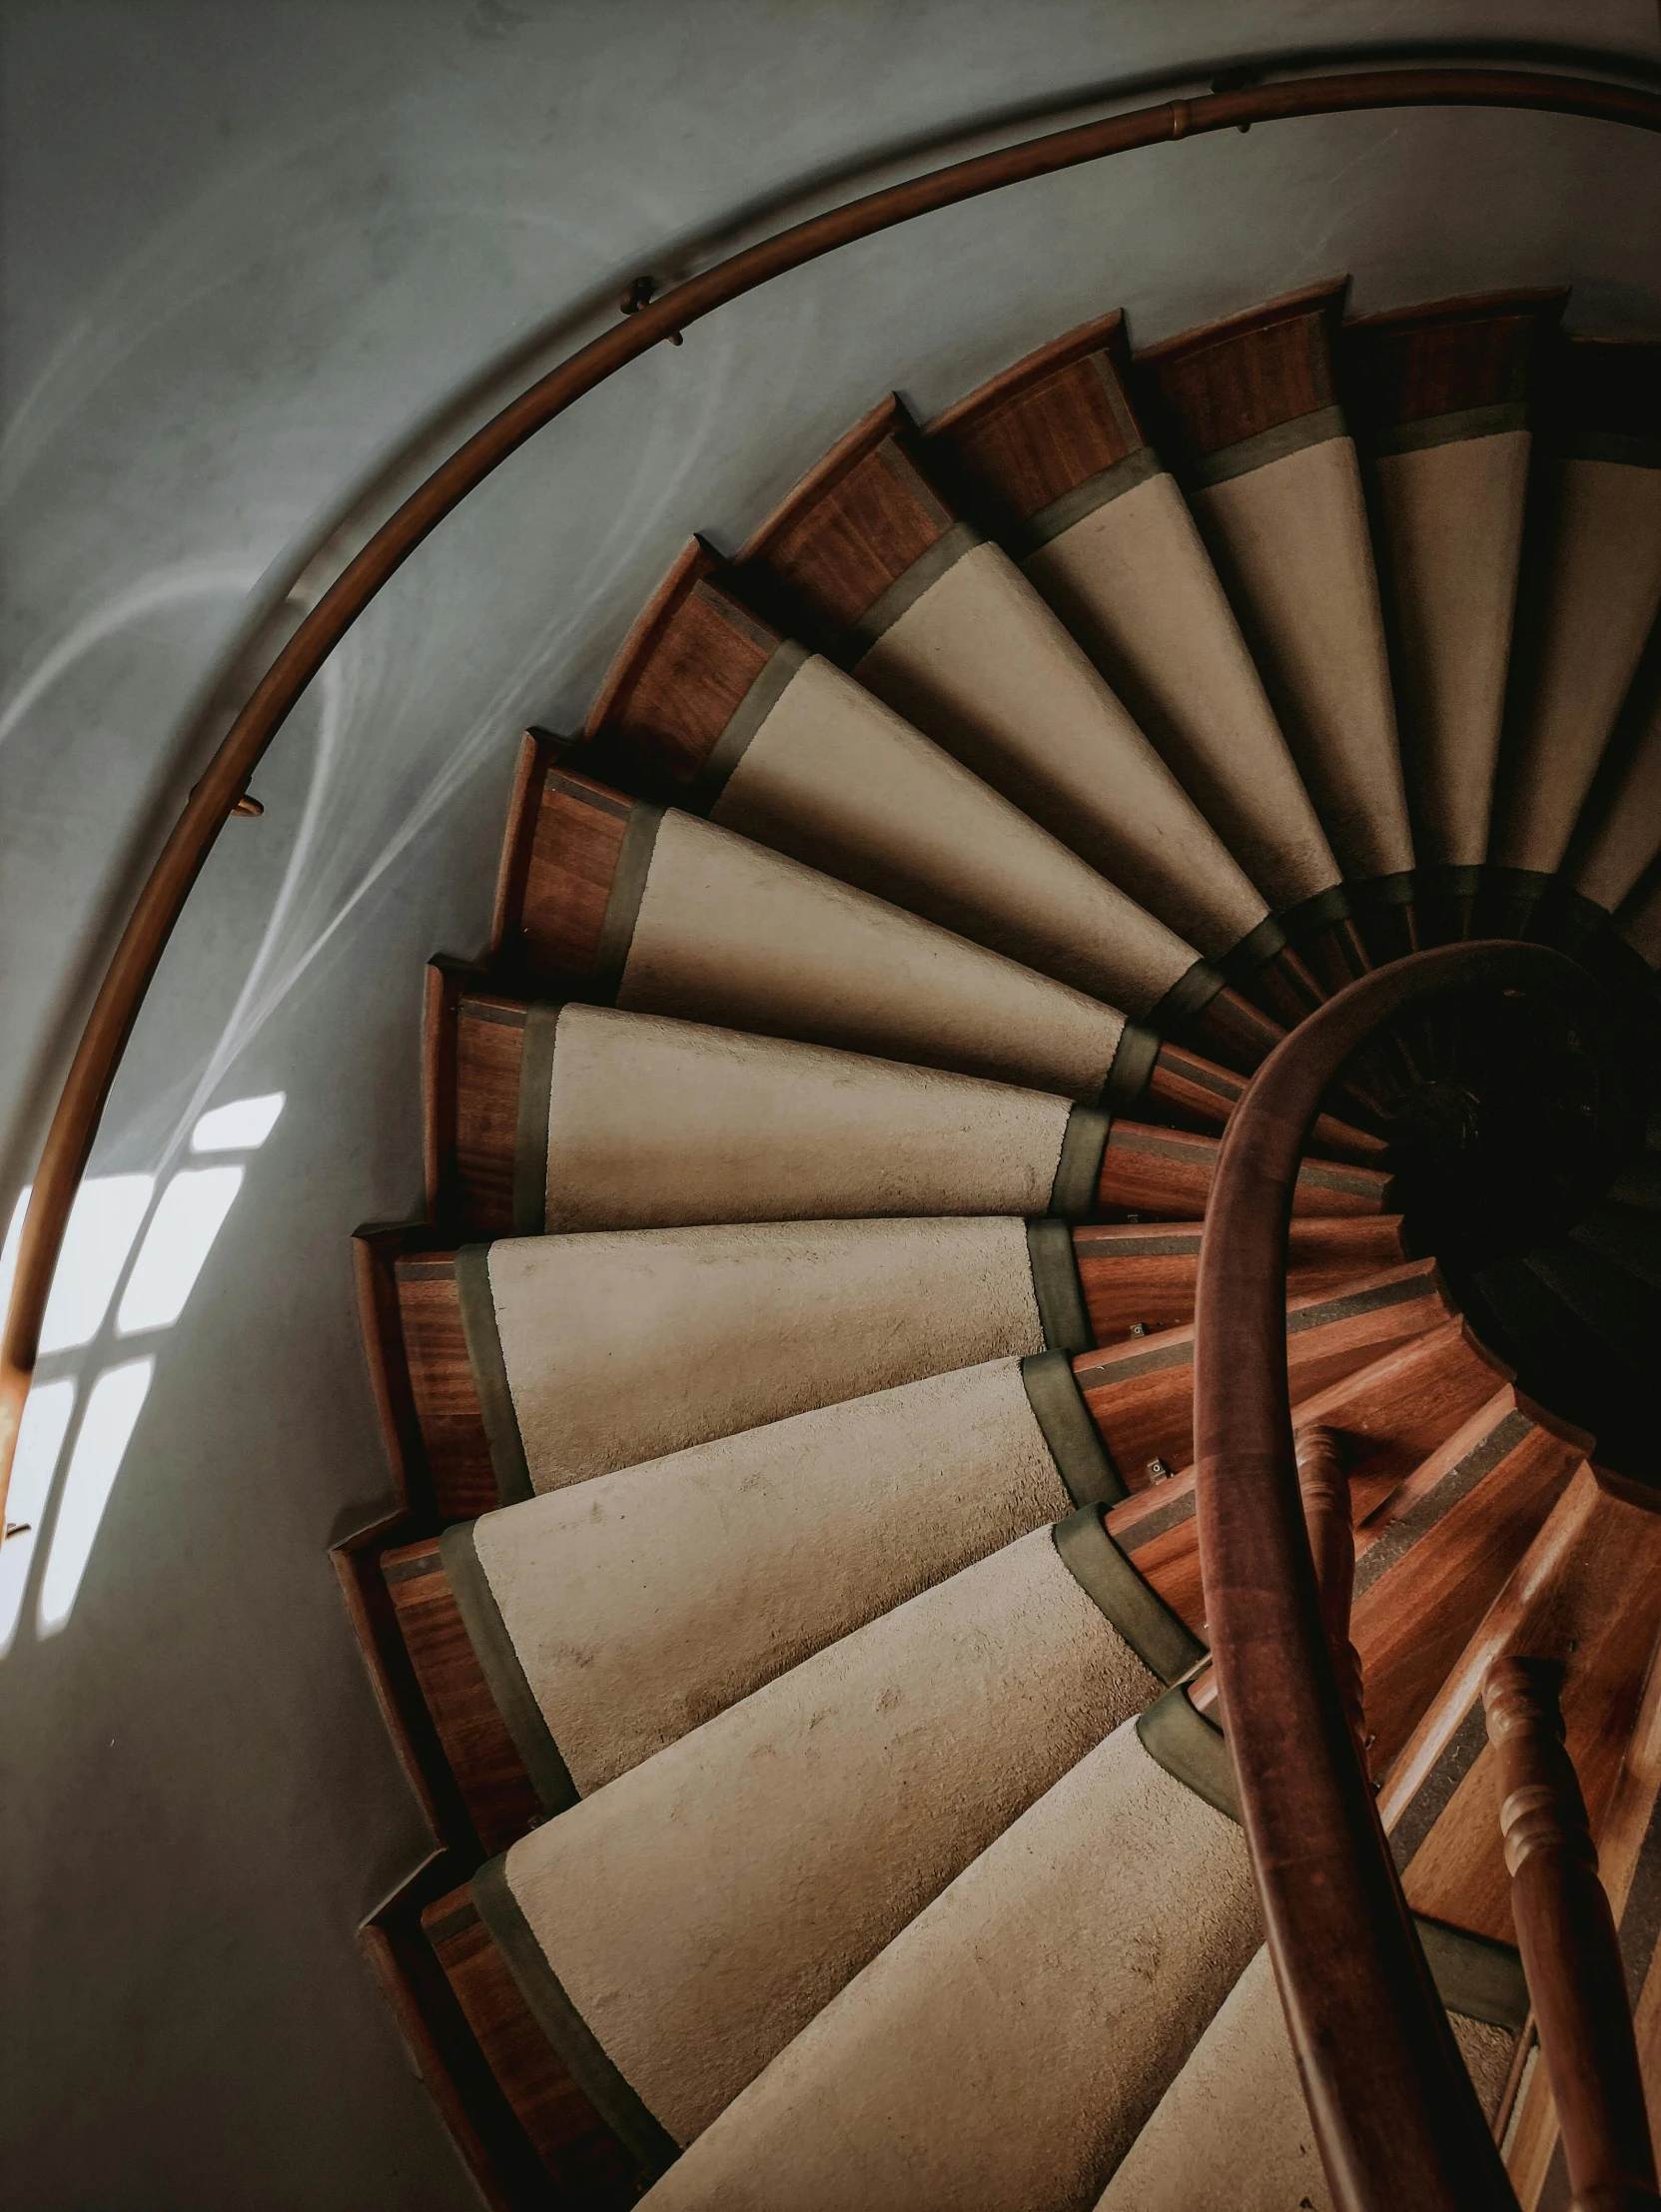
point(247, 247)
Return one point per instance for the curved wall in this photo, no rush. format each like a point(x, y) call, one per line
point(246, 249)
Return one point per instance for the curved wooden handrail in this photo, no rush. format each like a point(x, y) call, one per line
point(1393, 2110)
point(79, 1106)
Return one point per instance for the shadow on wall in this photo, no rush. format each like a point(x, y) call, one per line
point(135, 1248)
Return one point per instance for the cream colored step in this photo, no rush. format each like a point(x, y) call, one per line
point(1439, 397)
point(1003, 2052)
point(629, 1608)
point(955, 639)
point(1619, 833)
point(1052, 453)
point(1232, 2129)
point(660, 913)
point(1596, 597)
point(593, 1352)
point(632, 1121)
point(698, 1911)
point(1251, 420)
point(811, 764)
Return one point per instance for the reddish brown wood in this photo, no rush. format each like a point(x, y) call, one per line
point(853, 525)
point(1324, 1482)
point(1566, 1935)
point(498, 1795)
point(509, 2175)
point(1141, 1391)
point(1247, 374)
point(218, 792)
point(1188, 1091)
point(1167, 1175)
point(1395, 2114)
point(442, 1386)
point(575, 848)
point(1232, 1030)
point(1144, 1274)
point(577, 2149)
point(477, 1192)
point(684, 669)
point(537, 753)
point(1285, 988)
point(1410, 1637)
point(1445, 357)
point(1044, 427)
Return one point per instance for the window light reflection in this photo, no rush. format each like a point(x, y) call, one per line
point(103, 1222)
point(241, 1127)
point(176, 1246)
point(106, 1429)
point(40, 1438)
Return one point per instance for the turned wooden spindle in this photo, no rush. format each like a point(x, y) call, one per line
point(1323, 1480)
point(1566, 1935)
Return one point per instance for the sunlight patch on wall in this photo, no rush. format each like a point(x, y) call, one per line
point(144, 1239)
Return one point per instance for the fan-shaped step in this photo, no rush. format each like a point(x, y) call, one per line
point(1393, 1415)
point(1618, 834)
point(779, 744)
point(1052, 457)
point(1116, 1913)
point(1141, 1392)
point(787, 1840)
point(1622, 1312)
point(942, 625)
point(1564, 1364)
point(1247, 411)
point(660, 912)
point(552, 1117)
point(1139, 1277)
point(1438, 398)
point(560, 1641)
point(1590, 595)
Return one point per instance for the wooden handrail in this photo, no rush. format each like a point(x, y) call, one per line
point(1393, 2110)
point(74, 1125)
point(1570, 1951)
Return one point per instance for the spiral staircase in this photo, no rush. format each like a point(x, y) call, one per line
point(793, 1624)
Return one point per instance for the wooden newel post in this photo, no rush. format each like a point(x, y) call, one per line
point(1566, 1935)
point(1323, 1483)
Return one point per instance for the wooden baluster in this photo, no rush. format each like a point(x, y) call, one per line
point(1323, 1481)
point(1566, 1935)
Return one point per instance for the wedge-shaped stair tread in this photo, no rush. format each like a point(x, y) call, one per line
point(813, 763)
point(1003, 2052)
point(1439, 396)
point(592, 1352)
point(943, 626)
point(1592, 595)
point(785, 1842)
point(662, 913)
point(1247, 414)
point(631, 1609)
point(1141, 1392)
point(1622, 1312)
point(1618, 834)
point(1053, 456)
point(1142, 1275)
point(1628, 1238)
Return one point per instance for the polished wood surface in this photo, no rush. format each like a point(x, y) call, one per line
point(581, 2154)
point(1232, 1030)
point(1395, 2118)
point(1410, 1639)
point(1166, 1174)
point(853, 525)
point(1190, 1091)
point(441, 1388)
point(1444, 358)
point(1141, 1391)
point(1566, 1935)
point(685, 671)
point(1043, 427)
point(475, 1181)
point(501, 1799)
point(573, 857)
point(1144, 1274)
point(218, 792)
point(1236, 378)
